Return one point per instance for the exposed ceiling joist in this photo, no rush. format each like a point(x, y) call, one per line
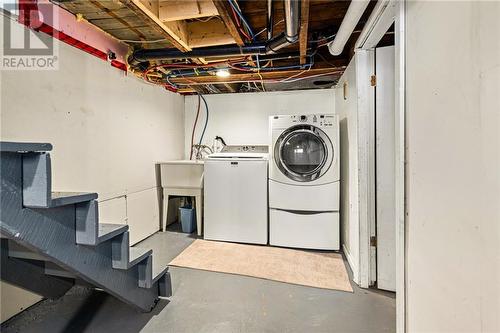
point(176, 32)
point(186, 91)
point(176, 10)
point(224, 9)
point(193, 24)
point(119, 19)
point(304, 30)
point(179, 31)
point(209, 33)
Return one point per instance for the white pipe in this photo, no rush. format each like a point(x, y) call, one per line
point(380, 20)
point(351, 19)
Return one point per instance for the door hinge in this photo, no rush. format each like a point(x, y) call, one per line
point(373, 241)
point(373, 80)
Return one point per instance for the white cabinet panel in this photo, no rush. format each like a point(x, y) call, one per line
point(236, 201)
point(143, 214)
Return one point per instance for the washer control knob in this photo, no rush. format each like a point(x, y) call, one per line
point(303, 118)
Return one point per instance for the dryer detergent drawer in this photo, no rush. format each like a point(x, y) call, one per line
point(309, 231)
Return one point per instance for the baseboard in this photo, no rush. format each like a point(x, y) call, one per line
point(350, 261)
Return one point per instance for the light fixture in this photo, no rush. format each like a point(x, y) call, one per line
point(222, 73)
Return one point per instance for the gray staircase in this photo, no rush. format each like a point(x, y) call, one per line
point(55, 238)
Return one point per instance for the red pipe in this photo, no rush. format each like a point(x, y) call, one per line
point(29, 15)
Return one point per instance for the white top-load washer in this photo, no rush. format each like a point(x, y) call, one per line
point(235, 195)
point(304, 181)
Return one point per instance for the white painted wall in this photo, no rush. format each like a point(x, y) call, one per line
point(346, 106)
point(453, 167)
point(243, 118)
point(107, 130)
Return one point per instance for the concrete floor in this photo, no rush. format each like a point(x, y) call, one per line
point(214, 302)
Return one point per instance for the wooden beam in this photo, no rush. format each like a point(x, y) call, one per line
point(152, 5)
point(304, 27)
point(175, 10)
point(173, 32)
point(244, 77)
point(179, 29)
point(224, 9)
point(200, 61)
point(186, 90)
point(209, 33)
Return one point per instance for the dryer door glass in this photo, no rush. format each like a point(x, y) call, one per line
point(303, 153)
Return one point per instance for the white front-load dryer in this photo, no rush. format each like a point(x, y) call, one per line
point(304, 181)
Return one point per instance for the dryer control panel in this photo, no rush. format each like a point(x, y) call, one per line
point(318, 120)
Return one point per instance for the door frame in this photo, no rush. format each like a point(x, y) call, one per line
point(386, 13)
point(365, 61)
point(400, 128)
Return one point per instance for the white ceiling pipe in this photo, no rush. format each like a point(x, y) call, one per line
point(351, 19)
point(380, 20)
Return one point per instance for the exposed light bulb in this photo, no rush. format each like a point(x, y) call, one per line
point(222, 73)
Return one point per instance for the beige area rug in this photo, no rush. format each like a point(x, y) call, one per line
point(308, 268)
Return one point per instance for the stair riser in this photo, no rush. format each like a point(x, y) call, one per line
point(146, 273)
point(87, 223)
point(148, 278)
point(121, 251)
point(165, 285)
point(37, 182)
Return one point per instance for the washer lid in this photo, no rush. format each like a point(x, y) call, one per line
point(303, 153)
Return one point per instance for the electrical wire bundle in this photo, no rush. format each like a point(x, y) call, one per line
point(241, 64)
point(163, 73)
point(239, 18)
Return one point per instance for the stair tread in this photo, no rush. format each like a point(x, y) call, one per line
point(24, 146)
point(137, 254)
point(66, 198)
point(60, 195)
point(110, 230)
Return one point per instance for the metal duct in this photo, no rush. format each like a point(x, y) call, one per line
point(270, 19)
point(291, 35)
point(292, 20)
